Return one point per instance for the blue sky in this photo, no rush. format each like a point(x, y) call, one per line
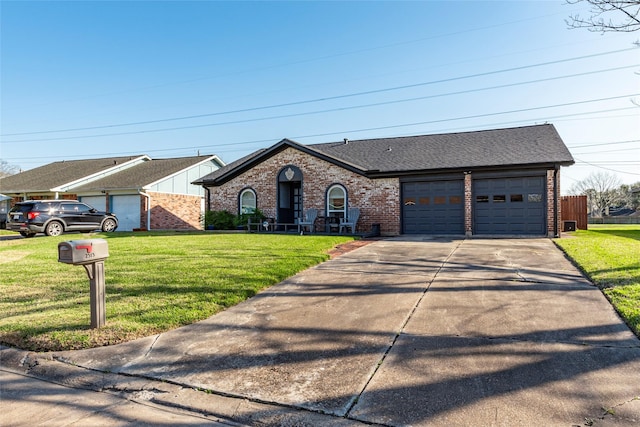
point(169, 79)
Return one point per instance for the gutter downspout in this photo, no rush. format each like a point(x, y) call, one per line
point(142, 193)
point(208, 195)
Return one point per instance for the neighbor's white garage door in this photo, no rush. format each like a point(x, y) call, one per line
point(98, 202)
point(127, 209)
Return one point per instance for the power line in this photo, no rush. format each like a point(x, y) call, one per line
point(606, 143)
point(343, 132)
point(370, 92)
point(609, 169)
point(608, 151)
point(331, 110)
point(340, 54)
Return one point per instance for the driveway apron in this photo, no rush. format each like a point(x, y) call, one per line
point(509, 333)
point(413, 331)
point(312, 341)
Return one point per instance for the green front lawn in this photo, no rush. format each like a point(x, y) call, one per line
point(610, 256)
point(154, 282)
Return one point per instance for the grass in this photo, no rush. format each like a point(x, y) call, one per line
point(610, 256)
point(154, 282)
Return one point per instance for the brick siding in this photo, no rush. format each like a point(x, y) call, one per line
point(551, 198)
point(468, 204)
point(378, 199)
point(172, 211)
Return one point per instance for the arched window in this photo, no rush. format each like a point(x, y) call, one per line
point(337, 201)
point(247, 201)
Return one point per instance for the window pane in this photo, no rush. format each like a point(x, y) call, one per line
point(499, 198)
point(534, 198)
point(423, 200)
point(439, 200)
point(482, 199)
point(409, 201)
point(336, 201)
point(516, 198)
point(247, 202)
point(455, 200)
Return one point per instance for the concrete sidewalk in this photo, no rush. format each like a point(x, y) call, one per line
point(406, 331)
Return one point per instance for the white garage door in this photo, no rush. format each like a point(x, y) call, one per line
point(98, 202)
point(127, 209)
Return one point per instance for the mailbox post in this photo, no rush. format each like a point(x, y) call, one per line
point(91, 255)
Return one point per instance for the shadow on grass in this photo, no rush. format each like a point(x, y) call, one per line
point(627, 234)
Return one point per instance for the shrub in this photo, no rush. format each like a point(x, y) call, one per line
point(242, 219)
point(220, 220)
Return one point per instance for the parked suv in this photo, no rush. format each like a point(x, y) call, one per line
point(53, 217)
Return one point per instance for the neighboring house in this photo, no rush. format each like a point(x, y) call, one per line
point(144, 193)
point(5, 205)
point(493, 182)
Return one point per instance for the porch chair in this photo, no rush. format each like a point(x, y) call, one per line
point(350, 221)
point(308, 220)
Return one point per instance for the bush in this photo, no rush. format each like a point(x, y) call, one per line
point(242, 219)
point(220, 220)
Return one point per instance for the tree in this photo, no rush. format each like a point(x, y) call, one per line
point(7, 169)
point(601, 189)
point(608, 15)
point(630, 196)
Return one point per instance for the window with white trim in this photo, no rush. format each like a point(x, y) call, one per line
point(247, 201)
point(337, 201)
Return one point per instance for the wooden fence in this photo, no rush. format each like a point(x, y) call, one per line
point(574, 208)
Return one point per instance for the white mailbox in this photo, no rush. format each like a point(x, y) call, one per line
point(79, 252)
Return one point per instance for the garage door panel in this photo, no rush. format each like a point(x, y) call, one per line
point(98, 202)
point(433, 207)
point(509, 205)
point(127, 209)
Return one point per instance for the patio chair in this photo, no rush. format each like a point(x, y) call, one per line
point(308, 220)
point(350, 221)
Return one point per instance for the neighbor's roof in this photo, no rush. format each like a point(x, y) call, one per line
point(144, 174)
point(58, 174)
point(522, 146)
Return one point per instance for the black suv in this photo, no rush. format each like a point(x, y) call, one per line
point(53, 217)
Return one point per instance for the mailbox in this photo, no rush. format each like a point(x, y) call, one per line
point(80, 252)
point(91, 255)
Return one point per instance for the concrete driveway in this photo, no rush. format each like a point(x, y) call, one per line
point(404, 331)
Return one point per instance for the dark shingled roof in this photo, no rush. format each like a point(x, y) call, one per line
point(141, 175)
point(538, 145)
point(502, 147)
point(54, 175)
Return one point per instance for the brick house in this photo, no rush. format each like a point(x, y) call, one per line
point(493, 182)
point(144, 193)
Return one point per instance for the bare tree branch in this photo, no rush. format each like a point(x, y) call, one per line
point(601, 189)
point(7, 169)
point(626, 12)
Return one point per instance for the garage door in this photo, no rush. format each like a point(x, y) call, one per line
point(515, 206)
point(433, 207)
point(127, 209)
point(98, 202)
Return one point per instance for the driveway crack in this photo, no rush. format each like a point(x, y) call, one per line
point(356, 398)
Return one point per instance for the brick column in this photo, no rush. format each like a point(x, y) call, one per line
point(468, 212)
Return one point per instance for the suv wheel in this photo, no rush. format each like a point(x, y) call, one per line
point(108, 225)
point(54, 228)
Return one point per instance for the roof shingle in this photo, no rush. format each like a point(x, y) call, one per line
point(56, 174)
point(520, 146)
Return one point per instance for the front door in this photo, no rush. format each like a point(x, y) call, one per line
point(289, 195)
